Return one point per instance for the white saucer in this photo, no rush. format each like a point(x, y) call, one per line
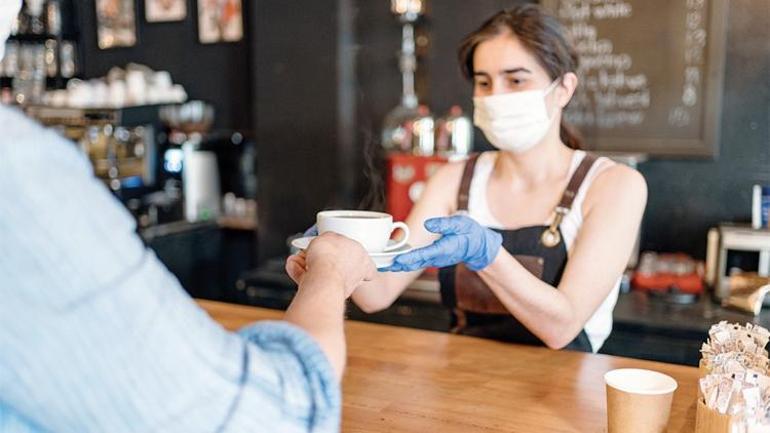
point(381, 260)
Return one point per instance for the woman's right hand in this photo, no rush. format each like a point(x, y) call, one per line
point(463, 240)
point(312, 231)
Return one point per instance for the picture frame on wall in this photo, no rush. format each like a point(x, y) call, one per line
point(159, 11)
point(220, 21)
point(116, 23)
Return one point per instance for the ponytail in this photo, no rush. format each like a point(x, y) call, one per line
point(570, 136)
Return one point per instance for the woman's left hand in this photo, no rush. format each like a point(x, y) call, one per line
point(463, 240)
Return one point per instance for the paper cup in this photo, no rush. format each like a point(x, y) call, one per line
point(638, 401)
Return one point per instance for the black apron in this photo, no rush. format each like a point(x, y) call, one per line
point(541, 250)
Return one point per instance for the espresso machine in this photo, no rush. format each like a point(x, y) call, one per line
point(188, 124)
point(120, 143)
point(736, 249)
point(416, 144)
point(409, 123)
point(217, 169)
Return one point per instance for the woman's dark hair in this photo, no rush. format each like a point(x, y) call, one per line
point(541, 34)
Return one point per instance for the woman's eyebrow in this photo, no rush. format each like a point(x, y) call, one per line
point(515, 70)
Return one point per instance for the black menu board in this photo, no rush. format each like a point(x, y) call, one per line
point(651, 73)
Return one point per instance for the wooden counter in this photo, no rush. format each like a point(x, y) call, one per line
point(406, 380)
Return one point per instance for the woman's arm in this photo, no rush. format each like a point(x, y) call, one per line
point(438, 199)
point(612, 212)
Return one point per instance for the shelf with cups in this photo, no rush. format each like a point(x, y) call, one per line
point(42, 54)
point(35, 64)
point(34, 37)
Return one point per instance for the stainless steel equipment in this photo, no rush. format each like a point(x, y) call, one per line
point(200, 173)
point(194, 117)
point(123, 154)
point(454, 134)
point(409, 126)
point(732, 239)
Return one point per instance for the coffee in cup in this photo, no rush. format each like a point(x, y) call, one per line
point(370, 229)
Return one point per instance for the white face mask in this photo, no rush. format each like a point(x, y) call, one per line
point(514, 121)
point(9, 9)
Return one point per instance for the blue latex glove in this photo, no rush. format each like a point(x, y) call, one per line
point(312, 231)
point(463, 240)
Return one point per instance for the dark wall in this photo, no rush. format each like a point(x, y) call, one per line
point(688, 197)
point(310, 64)
point(296, 105)
point(439, 81)
point(217, 73)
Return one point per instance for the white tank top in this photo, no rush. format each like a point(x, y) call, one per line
point(599, 326)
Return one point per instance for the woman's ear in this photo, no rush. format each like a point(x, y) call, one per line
point(566, 89)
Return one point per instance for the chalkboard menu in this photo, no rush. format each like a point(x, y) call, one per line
point(651, 73)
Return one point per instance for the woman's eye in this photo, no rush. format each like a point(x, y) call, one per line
point(515, 82)
point(482, 84)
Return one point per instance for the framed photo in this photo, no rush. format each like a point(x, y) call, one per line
point(220, 21)
point(116, 23)
point(158, 11)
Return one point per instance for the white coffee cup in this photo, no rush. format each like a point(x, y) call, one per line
point(370, 229)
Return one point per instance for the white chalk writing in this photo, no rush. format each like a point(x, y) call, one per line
point(611, 94)
point(613, 91)
point(694, 51)
point(612, 11)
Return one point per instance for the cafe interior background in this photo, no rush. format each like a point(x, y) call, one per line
point(224, 129)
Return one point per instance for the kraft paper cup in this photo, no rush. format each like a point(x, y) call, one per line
point(638, 401)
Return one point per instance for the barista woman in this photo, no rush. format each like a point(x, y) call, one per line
point(531, 239)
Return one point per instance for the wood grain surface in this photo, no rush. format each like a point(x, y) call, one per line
point(407, 380)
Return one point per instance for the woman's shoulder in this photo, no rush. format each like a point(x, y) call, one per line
point(452, 171)
point(450, 174)
point(444, 185)
point(614, 184)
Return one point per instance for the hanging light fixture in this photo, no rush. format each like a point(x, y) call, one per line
point(408, 10)
point(408, 127)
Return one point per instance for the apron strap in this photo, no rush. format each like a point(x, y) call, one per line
point(551, 236)
point(463, 194)
point(576, 181)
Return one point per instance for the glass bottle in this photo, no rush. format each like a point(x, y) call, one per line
point(454, 133)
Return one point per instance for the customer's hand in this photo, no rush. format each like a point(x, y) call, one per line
point(296, 266)
point(297, 263)
point(335, 257)
point(463, 240)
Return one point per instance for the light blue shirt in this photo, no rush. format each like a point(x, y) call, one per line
point(97, 336)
